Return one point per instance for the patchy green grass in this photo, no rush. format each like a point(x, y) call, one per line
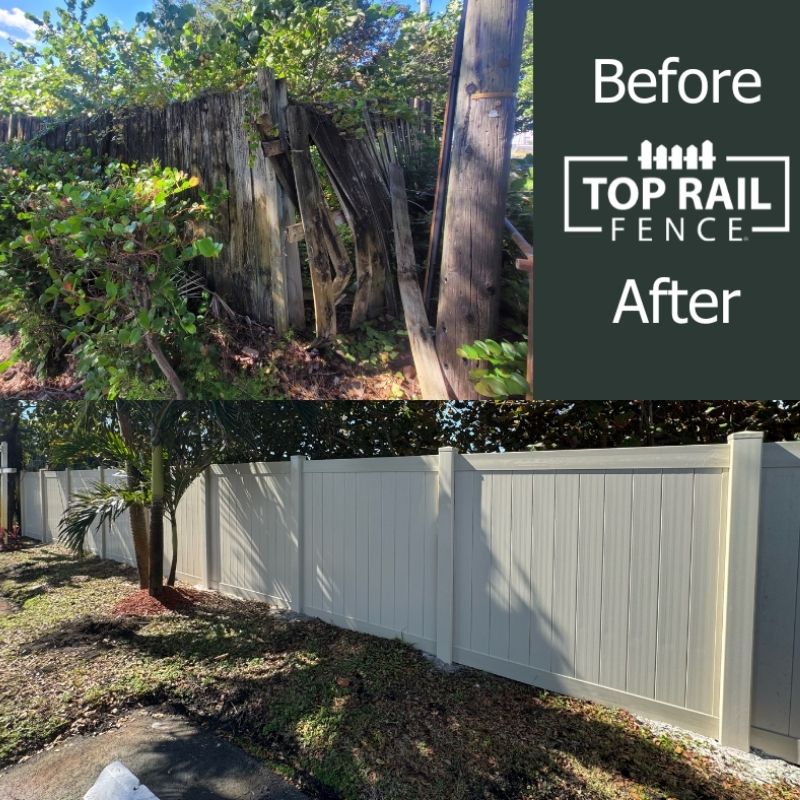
point(342, 714)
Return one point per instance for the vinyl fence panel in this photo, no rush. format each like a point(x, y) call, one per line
point(32, 518)
point(119, 541)
point(623, 576)
point(191, 519)
point(81, 481)
point(369, 532)
point(55, 501)
point(603, 576)
point(250, 523)
point(776, 670)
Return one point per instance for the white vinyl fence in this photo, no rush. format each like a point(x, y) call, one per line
point(625, 576)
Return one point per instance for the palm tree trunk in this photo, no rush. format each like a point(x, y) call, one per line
point(157, 519)
point(136, 512)
point(174, 565)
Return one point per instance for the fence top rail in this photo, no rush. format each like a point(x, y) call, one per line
point(256, 468)
point(781, 454)
point(379, 464)
point(702, 456)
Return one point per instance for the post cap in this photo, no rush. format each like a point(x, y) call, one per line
point(746, 435)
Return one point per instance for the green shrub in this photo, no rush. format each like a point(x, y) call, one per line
point(102, 259)
point(508, 363)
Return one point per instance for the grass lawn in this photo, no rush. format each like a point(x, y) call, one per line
point(344, 715)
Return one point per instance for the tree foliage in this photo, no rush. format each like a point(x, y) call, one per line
point(81, 62)
point(525, 91)
point(98, 261)
point(276, 430)
point(343, 54)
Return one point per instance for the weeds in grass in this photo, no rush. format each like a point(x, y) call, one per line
point(342, 714)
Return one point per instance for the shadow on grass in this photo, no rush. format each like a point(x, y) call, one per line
point(356, 716)
point(45, 569)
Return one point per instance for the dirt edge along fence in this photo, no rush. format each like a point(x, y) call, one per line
point(240, 142)
point(663, 580)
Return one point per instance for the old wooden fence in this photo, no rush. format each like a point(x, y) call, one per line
point(275, 196)
point(663, 580)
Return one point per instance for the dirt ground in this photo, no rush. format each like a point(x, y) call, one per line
point(298, 369)
point(19, 381)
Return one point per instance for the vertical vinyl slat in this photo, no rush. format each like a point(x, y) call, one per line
point(500, 569)
point(388, 549)
point(416, 567)
point(338, 529)
point(482, 565)
point(673, 594)
point(643, 611)
point(616, 580)
point(328, 523)
point(465, 486)
point(565, 573)
point(351, 576)
point(402, 542)
point(776, 599)
point(430, 555)
point(373, 484)
point(362, 546)
point(702, 643)
point(541, 569)
point(590, 573)
point(520, 581)
point(317, 596)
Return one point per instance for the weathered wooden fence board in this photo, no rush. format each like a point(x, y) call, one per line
point(420, 331)
point(258, 272)
point(330, 266)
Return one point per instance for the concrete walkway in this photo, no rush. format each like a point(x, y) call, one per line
point(175, 759)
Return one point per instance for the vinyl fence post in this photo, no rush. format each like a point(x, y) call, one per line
point(740, 551)
point(444, 567)
point(103, 526)
point(208, 532)
point(296, 532)
point(43, 504)
point(4, 488)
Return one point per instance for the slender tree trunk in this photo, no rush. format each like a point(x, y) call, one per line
point(469, 292)
point(136, 512)
point(174, 565)
point(157, 520)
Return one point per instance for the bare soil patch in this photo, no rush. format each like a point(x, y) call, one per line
point(6, 607)
point(19, 381)
point(172, 598)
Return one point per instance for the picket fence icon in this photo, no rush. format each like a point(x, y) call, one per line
point(675, 157)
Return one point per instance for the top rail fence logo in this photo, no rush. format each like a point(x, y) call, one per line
point(672, 193)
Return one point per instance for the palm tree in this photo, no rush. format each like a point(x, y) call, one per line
point(184, 439)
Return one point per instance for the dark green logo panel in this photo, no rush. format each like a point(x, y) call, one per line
point(666, 237)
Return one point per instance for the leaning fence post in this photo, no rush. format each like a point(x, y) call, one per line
point(296, 532)
point(740, 551)
point(444, 568)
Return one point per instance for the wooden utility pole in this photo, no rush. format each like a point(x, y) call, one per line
point(469, 291)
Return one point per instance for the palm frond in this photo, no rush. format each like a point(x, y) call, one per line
point(103, 503)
